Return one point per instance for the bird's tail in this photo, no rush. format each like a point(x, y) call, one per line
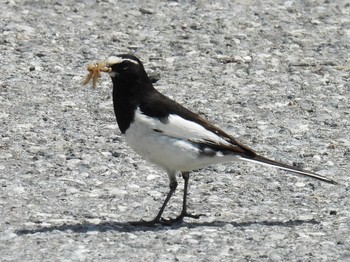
point(265, 161)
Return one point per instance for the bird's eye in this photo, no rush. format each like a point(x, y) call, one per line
point(125, 65)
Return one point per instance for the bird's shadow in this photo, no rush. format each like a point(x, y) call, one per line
point(127, 227)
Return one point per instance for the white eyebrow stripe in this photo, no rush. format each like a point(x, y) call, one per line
point(112, 60)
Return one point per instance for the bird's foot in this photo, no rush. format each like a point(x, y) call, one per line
point(179, 219)
point(144, 223)
point(165, 222)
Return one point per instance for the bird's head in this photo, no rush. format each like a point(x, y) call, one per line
point(126, 68)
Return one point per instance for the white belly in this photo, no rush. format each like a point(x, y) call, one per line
point(170, 153)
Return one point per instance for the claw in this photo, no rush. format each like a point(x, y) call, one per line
point(179, 219)
point(143, 223)
point(151, 223)
point(165, 222)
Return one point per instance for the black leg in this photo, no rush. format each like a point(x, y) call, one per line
point(179, 219)
point(158, 219)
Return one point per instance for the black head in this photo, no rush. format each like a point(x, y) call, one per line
point(130, 85)
point(126, 69)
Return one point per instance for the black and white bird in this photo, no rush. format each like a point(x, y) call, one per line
point(171, 136)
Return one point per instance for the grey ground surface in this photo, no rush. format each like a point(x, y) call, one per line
point(273, 73)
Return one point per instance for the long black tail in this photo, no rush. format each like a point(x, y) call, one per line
point(265, 161)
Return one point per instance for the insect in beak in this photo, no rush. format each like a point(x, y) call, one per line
point(95, 72)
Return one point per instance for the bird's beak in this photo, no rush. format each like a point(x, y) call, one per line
point(95, 72)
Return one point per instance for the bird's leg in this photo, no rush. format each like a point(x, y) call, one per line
point(186, 177)
point(179, 219)
point(158, 219)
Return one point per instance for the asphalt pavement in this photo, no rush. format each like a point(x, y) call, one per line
point(275, 74)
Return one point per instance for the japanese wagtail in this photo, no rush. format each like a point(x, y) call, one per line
point(169, 135)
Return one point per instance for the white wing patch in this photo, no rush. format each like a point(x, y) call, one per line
point(178, 127)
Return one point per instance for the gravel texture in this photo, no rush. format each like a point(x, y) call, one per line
point(273, 73)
